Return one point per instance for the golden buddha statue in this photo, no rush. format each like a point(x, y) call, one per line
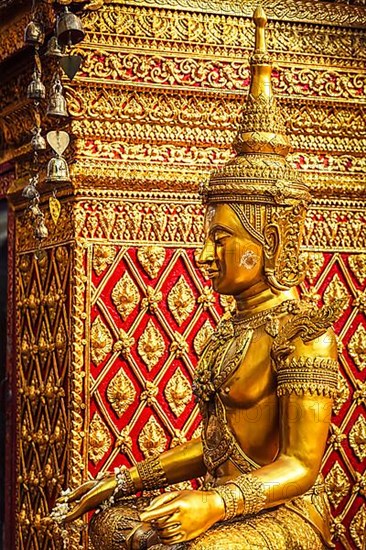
point(264, 382)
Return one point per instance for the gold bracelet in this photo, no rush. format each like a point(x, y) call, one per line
point(152, 474)
point(253, 491)
point(231, 496)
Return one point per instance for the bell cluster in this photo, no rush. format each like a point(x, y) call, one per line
point(68, 31)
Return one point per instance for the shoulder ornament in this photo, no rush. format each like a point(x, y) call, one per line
point(308, 323)
point(305, 374)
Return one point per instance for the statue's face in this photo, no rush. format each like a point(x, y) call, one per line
point(233, 258)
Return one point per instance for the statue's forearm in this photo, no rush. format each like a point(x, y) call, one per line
point(304, 428)
point(179, 464)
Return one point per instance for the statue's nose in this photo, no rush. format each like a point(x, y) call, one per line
point(207, 254)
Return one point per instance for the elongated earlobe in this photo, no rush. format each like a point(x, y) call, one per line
point(272, 249)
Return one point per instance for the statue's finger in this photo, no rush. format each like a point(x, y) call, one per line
point(166, 521)
point(160, 500)
point(78, 492)
point(156, 513)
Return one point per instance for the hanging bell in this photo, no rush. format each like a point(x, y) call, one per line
point(69, 29)
point(57, 103)
point(34, 34)
point(53, 48)
point(36, 89)
point(38, 142)
point(57, 170)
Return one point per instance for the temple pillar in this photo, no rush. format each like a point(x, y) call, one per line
point(107, 317)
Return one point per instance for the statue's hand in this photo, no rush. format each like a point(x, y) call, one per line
point(87, 497)
point(181, 516)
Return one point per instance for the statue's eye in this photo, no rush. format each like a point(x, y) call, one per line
point(219, 238)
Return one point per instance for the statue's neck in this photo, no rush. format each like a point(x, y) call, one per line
point(260, 297)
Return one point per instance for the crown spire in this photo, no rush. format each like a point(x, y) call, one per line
point(262, 129)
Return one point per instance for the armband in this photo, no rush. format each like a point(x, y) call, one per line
point(253, 493)
point(152, 474)
point(231, 497)
point(244, 495)
point(307, 375)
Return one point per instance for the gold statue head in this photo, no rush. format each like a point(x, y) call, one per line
point(265, 193)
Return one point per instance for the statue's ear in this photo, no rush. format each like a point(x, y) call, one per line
point(272, 242)
point(272, 251)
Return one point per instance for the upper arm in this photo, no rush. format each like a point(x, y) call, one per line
point(306, 382)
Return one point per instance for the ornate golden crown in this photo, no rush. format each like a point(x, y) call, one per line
point(259, 173)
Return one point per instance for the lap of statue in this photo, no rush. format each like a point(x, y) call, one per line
point(119, 528)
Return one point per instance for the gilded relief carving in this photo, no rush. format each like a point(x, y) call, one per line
point(103, 256)
point(358, 527)
point(181, 300)
point(357, 347)
point(99, 439)
point(202, 337)
point(120, 393)
point(357, 438)
point(152, 440)
point(152, 258)
point(337, 484)
point(357, 263)
point(101, 341)
point(178, 392)
point(125, 296)
point(151, 345)
point(336, 290)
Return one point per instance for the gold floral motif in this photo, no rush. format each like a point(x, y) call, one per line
point(207, 299)
point(312, 264)
point(181, 301)
point(179, 345)
point(357, 347)
point(341, 395)
point(357, 263)
point(99, 439)
point(121, 393)
point(152, 440)
point(178, 392)
point(336, 290)
point(124, 343)
point(101, 341)
point(202, 337)
point(124, 440)
point(152, 299)
point(103, 256)
point(150, 393)
point(125, 296)
point(151, 258)
point(336, 437)
point(359, 395)
point(151, 345)
point(360, 301)
point(357, 438)
point(336, 484)
point(358, 527)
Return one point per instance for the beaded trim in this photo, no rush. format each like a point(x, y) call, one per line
point(152, 474)
point(125, 486)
